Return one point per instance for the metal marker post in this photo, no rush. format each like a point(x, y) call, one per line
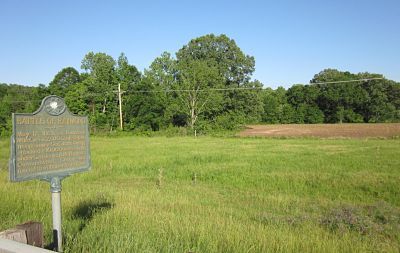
point(55, 188)
point(49, 144)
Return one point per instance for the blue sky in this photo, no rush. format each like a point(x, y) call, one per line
point(290, 40)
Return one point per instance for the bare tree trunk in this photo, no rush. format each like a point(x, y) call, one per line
point(192, 118)
point(104, 106)
point(193, 115)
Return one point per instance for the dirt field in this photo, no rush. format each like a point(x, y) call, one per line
point(325, 130)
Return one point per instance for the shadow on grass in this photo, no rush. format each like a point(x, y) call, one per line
point(86, 210)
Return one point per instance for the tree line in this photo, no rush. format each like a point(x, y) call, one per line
point(206, 86)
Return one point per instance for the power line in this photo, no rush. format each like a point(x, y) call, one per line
point(197, 90)
point(22, 101)
point(351, 81)
point(243, 88)
point(207, 90)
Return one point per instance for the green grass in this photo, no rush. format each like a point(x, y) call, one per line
point(250, 195)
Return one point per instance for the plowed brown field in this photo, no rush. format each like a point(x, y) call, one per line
point(386, 130)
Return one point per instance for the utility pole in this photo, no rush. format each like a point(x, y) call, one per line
point(120, 104)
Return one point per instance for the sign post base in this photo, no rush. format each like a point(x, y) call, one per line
point(55, 188)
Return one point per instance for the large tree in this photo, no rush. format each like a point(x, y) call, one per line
point(216, 62)
point(101, 80)
point(127, 74)
point(196, 78)
point(128, 77)
point(233, 65)
point(303, 99)
point(63, 80)
point(361, 97)
point(339, 101)
point(377, 106)
point(149, 102)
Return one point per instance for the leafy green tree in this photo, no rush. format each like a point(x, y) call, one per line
point(128, 77)
point(377, 108)
point(233, 65)
point(312, 114)
point(368, 100)
point(286, 114)
point(336, 97)
point(216, 62)
point(20, 99)
point(194, 79)
point(149, 104)
point(247, 102)
point(76, 98)
point(63, 80)
point(271, 104)
point(101, 80)
point(277, 109)
point(392, 91)
point(332, 75)
point(146, 109)
point(303, 99)
point(348, 116)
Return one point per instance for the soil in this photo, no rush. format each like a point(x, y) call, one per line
point(385, 130)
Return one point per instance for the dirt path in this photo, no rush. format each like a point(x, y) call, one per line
point(324, 130)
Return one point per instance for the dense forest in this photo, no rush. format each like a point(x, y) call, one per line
point(206, 86)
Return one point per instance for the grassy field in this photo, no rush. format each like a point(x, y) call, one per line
point(184, 194)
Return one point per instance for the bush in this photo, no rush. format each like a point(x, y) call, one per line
point(379, 218)
point(171, 131)
point(229, 121)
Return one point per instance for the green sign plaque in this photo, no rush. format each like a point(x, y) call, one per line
point(49, 143)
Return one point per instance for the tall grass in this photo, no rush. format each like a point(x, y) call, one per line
point(250, 195)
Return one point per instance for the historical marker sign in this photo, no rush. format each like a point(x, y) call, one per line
point(49, 143)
